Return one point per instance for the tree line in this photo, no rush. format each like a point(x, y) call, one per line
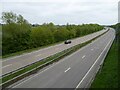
point(18, 34)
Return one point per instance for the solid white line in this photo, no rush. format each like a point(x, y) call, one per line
point(99, 32)
point(52, 66)
point(40, 50)
point(7, 66)
point(93, 65)
point(29, 78)
point(56, 63)
point(83, 56)
point(67, 69)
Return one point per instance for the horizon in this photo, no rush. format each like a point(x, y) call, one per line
point(63, 12)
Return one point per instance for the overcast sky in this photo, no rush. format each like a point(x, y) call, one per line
point(64, 11)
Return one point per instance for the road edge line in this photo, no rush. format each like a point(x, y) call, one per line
point(93, 65)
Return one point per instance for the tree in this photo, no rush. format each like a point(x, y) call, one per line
point(72, 33)
point(9, 17)
point(41, 36)
point(61, 34)
point(21, 20)
point(16, 33)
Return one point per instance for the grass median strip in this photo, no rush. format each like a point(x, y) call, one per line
point(36, 66)
point(107, 77)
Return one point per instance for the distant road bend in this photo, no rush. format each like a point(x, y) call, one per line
point(75, 70)
point(16, 62)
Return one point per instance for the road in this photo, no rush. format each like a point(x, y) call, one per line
point(73, 70)
point(14, 63)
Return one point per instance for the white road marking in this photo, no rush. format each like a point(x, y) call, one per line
point(52, 66)
point(83, 56)
point(55, 64)
point(36, 51)
point(100, 32)
point(92, 66)
point(67, 69)
point(6, 65)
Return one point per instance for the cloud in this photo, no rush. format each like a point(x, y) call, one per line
point(63, 11)
point(59, 0)
point(119, 12)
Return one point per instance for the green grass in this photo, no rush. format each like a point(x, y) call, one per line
point(34, 49)
point(60, 55)
point(0, 36)
point(68, 51)
point(107, 77)
point(29, 50)
point(0, 41)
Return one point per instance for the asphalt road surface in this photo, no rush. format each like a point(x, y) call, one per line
point(70, 71)
point(14, 63)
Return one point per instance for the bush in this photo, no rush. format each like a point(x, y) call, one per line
point(19, 35)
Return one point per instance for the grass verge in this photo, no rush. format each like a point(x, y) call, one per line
point(36, 66)
point(29, 50)
point(107, 77)
point(34, 49)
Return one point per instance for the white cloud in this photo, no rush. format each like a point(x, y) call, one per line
point(59, 0)
point(63, 11)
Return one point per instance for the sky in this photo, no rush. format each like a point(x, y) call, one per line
point(104, 12)
point(119, 12)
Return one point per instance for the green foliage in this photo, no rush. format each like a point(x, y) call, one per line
point(117, 28)
point(61, 34)
point(9, 17)
point(41, 36)
point(72, 33)
point(0, 40)
point(19, 35)
point(108, 75)
point(87, 29)
point(15, 34)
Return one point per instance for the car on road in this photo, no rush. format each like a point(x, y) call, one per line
point(67, 42)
